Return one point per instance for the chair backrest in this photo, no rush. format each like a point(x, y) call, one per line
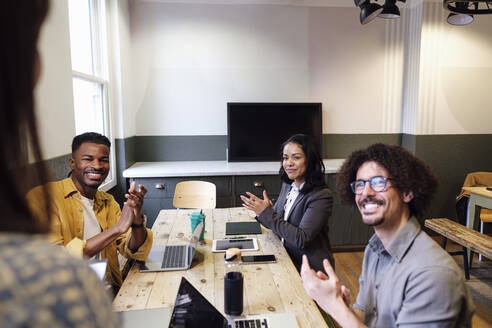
point(194, 194)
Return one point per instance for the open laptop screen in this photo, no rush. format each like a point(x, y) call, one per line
point(192, 310)
point(99, 267)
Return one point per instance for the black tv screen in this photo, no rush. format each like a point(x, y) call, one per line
point(255, 131)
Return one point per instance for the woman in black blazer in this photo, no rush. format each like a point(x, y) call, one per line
point(300, 215)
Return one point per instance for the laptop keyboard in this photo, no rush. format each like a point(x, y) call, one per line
point(174, 256)
point(245, 323)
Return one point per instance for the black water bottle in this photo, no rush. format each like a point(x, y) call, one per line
point(233, 283)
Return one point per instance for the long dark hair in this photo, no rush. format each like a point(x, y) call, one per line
point(20, 22)
point(315, 169)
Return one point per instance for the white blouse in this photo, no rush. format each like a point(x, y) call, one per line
point(291, 197)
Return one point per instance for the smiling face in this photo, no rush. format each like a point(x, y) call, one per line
point(387, 207)
point(90, 167)
point(294, 162)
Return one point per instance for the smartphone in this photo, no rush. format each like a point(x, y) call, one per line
point(258, 259)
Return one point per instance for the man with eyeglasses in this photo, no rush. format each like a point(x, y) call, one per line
point(407, 279)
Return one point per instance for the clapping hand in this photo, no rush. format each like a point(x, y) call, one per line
point(325, 289)
point(134, 199)
point(255, 203)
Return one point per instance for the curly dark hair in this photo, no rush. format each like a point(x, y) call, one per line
point(409, 172)
point(315, 169)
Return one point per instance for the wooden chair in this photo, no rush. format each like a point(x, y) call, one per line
point(195, 194)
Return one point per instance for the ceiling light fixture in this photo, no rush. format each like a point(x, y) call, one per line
point(461, 12)
point(370, 10)
point(459, 19)
point(359, 2)
point(390, 10)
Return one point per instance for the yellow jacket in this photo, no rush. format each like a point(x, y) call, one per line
point(68, 224)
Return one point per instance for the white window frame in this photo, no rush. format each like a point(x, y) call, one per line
point(100, 44)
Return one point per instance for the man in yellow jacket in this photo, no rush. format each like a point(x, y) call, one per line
point(89, 222)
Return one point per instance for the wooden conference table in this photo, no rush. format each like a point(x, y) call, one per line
point(275, 287)
point(479, 197)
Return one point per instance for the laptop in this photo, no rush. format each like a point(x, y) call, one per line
point(148, 318)
point(193, 310)
point(99, 267)
point(172, 257)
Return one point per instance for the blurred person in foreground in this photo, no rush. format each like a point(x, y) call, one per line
point(407, 279)
point(40, 285)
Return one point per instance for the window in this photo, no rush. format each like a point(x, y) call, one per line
point(88, 43)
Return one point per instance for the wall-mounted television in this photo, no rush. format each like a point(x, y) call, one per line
point(255, 131)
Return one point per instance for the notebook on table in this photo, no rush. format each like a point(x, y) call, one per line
point(243, 228)
point(172, 257)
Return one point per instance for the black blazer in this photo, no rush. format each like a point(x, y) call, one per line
point(306, 228)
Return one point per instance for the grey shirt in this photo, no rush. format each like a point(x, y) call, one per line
point(412, 283)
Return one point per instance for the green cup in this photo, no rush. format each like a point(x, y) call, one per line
point(196, 218)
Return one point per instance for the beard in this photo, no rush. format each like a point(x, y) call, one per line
point(361, 204)
point(376, 223)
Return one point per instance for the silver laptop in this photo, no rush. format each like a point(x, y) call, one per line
point(99, 267)
point(148, 318)
point(192, 310)
point(172, 257)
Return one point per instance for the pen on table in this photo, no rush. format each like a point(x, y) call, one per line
point(239, 237)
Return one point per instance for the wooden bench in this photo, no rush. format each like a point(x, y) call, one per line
point(466, 237)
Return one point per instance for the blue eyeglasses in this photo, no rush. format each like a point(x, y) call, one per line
point(377, 184)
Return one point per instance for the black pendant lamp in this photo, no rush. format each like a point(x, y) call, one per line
point(369, 11)
point(390, 10)
point(462, 12)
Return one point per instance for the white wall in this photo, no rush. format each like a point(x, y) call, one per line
point(464, 103)
point(188, 60)
point(455, 75)
point(346, 70)
point(54, 96)
point(193, 59)
point(122, 84)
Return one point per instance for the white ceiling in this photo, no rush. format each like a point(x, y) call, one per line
point(314, 3)
point(309, 3)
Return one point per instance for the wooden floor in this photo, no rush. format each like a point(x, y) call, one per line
point(348, 267)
